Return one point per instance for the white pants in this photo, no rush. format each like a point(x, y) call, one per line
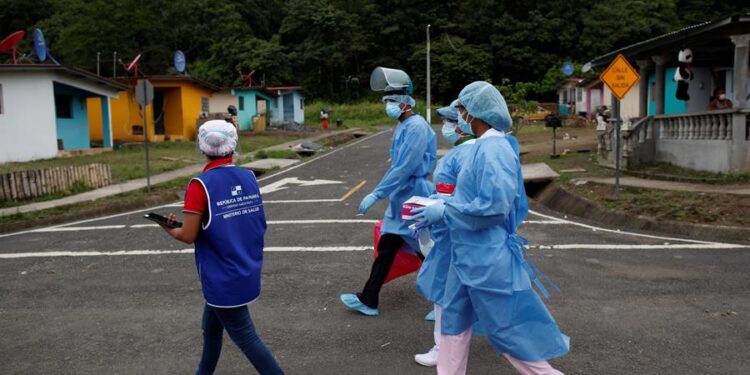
point(436, 330)
point(453, 357)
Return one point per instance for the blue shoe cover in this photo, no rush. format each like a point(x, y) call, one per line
point(351, 301)
point(430, 317)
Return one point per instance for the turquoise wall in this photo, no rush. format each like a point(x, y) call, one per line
point(105, 122)
point(73, 131)
point(245, 116)
point(671, 104)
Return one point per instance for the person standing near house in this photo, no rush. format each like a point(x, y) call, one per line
point(324, 114)
point(489, 281)
point(720, 100)
point(225, 220)
point(413, 152)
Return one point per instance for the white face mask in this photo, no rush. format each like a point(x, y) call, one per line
point(722, 96)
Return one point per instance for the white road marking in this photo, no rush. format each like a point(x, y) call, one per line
point(617, 231)
point(269, 222)
point(77, 229)
point(179, 204)
point(544, 222)
point(302, 201)
point(280, 184)
point(57, 254)
point(638, 247)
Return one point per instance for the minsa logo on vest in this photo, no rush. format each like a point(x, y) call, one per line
point(236, 190)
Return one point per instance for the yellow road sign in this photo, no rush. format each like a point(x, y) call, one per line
point(620, 76)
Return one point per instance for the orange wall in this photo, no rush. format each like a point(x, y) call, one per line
point(94, 106)
point(182, 107)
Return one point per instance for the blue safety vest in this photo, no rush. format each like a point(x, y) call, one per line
point(229, 249)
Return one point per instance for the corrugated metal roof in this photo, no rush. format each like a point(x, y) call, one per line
point(78, 72)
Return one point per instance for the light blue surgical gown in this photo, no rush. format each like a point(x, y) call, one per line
point(413, 153)
point(488, 280)
point(434, 270)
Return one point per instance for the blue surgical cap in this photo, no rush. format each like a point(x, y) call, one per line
point(406, 99)
point(449, 113)
point(484, 101)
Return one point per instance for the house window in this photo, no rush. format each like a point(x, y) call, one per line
point(1, 99)
point(301, 103)
point(579, 92)
point(64, 106)
point(242, 103)
point(204, 104)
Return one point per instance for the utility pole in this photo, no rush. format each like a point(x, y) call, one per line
point(98, 59)
point(429, 111)
point(114, 65)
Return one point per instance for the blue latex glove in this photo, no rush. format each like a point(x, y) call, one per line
point(367, 202)
point(429, 215)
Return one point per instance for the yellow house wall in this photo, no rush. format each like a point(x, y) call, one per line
point(191, 104)
point(125, 113)
point(94, 106)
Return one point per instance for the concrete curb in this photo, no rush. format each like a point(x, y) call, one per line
point(561, 200)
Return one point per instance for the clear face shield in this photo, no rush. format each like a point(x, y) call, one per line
point(390, 81)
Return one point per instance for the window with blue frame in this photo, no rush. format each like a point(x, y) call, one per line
point(242, 103)
point(63, 106)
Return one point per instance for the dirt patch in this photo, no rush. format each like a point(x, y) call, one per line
point(536, 140)
point(700, 208)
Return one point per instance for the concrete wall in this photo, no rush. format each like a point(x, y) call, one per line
point(700, 90)
point(27, 123)
point(700, 155)
point(219, 102)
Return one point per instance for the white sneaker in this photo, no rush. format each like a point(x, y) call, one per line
point(428, 359)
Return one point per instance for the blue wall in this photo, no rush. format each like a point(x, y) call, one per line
point(671, 104)
point(105, 122)
point(73, 131)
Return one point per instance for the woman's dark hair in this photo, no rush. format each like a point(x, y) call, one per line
point(219, 157)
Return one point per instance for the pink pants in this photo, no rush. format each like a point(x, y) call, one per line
point(453, 358)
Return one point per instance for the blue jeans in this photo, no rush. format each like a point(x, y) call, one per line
point(241, 330)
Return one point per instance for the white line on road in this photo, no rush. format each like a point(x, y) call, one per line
point(53, 254)
point(56, 254)
point(269, 222)
point(617, 231)
point(638, 247)
point(77, 229)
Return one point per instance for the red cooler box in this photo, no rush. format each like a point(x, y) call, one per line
point(406, 261)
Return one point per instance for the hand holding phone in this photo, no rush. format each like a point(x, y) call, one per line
point(161, 220)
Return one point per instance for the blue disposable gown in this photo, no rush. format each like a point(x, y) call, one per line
point(413, 152)
point(488, 281)
point(434, 270)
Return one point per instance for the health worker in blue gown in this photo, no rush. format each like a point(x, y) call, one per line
point(489, 281)
point(432, 274)
point(413, 152)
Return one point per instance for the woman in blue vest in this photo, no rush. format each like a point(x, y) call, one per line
point(224, 217)
point(489, 280)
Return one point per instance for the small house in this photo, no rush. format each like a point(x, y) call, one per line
point(179, 101)
point(288, 104)
point(46, 109)
point(252, 107)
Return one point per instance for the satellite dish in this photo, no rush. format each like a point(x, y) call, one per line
point(586, 67)
point(11, 42)
point(40, 47)
point(568, 69)
point(134, 65)
point(179, 61)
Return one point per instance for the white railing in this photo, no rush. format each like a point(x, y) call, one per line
point(713, 125)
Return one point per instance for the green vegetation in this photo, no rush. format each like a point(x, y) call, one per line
point(673, 172)
point(331, 46)
point(366, 115)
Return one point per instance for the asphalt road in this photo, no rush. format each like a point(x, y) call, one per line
point(117, 296)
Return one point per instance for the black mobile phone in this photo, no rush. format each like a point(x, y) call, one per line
point(162, 220)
